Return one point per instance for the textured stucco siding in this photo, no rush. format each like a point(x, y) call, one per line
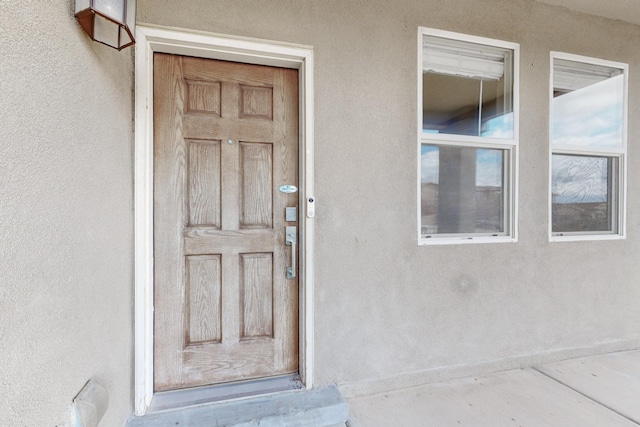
point(388, 313)
point(386, 308)
point(66, 221)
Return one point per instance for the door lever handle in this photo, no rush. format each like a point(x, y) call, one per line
point(291, 240)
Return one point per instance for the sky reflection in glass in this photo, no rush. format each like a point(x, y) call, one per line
point(489, 171)
point(498, 127)
point(579, 179)
point(591, 116)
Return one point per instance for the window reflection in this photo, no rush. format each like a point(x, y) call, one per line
point(462, 190)
point(452, 106)
point(581, 193)
point(467, 89)
point(587, 106)
point(499, 127)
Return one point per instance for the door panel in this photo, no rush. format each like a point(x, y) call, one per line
point(256, 295)
point(225, 141)
point(203, 289)
point(256, 164)
point(204, 183)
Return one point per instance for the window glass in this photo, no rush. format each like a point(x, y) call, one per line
point(587, 105)
point(467, 89)
point(582, 193)
point(462, 190)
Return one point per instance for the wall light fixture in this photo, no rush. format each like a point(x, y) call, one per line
point(111, 22)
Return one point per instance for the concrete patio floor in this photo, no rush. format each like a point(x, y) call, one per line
point(598, 391)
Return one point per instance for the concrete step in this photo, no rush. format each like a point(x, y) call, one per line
point(319, 407)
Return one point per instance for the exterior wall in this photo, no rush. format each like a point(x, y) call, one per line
point(66, 221)
point(390, 313)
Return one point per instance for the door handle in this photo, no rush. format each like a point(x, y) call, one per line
point(291, 240)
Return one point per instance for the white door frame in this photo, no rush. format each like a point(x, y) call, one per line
point(214, 46)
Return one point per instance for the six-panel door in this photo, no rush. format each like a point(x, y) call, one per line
point(225, 140)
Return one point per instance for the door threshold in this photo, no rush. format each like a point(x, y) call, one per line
point(174, 399)
point(319, 407)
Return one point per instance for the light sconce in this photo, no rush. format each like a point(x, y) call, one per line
point(108, 21)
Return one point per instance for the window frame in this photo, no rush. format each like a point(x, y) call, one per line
point(619, 196)
point(509, 145)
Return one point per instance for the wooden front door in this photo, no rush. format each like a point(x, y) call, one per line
point(225, 142)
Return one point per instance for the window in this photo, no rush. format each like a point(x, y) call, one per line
point(588, 148)
point(468, 138)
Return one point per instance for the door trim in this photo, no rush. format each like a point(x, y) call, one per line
point(213, 46)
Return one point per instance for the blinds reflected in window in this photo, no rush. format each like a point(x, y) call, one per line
point(467, 89)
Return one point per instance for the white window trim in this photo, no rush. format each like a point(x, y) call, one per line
point(207, 45)
point(620, 153)
point(510, 145)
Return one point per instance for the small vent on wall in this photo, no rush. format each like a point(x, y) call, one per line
point(89, 405)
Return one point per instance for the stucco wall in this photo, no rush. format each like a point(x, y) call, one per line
point(388, 311)
point(66, 221)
